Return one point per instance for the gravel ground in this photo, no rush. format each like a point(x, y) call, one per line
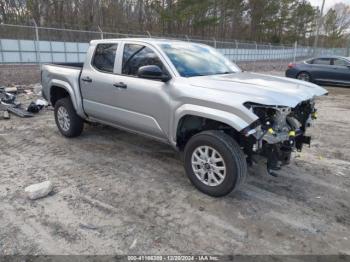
point(14, 74)
point(119, 193)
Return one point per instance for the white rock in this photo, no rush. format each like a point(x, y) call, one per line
point(37, 88)
point(38, 190)
point(11, 89)
point(133, 244)
point(41, 102)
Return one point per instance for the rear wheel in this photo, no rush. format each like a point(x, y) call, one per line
point(215, 163)
point(67, 120)
point(304, 76)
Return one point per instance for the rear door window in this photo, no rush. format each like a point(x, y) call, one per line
point(104, 57)
point(340, 62)
point(322, 61)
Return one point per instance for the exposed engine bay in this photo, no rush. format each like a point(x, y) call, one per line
point(278, 132)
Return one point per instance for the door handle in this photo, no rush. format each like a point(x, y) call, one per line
point(87, 79)
point(120, 85)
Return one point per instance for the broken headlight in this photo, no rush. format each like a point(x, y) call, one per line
point(276, 123)
point(274, 117)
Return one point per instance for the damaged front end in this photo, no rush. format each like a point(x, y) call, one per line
point(278, 132)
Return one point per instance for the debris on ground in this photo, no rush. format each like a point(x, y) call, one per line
point(32, 88)
point(5, 115)
point(133, 244)
point(7, 98)
point(11, 89)
point(35, 107)
point(40, 190)
point(8, 102)
point(37, 89)
point(28, 92)
point(19, 112)
point(41, 102)
point(88, 226)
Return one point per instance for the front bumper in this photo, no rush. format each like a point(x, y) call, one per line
point(275, 147)
point(278, 132)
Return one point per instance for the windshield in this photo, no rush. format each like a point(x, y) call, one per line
point(198, 60)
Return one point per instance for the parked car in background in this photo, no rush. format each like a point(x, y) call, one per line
point(322, 70)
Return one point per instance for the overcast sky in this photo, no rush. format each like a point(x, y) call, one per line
point(328, 3)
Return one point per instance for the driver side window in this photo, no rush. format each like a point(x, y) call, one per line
point(136, 56)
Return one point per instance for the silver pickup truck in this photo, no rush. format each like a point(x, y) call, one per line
point(189, 96)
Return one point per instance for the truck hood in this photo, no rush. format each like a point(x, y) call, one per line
point(260, 88)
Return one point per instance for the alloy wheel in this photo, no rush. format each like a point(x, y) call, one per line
point(208, 165)
point(63, 118)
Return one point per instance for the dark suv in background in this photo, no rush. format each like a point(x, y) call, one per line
point(322, 70)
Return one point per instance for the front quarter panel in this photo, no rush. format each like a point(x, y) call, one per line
point(206, 103)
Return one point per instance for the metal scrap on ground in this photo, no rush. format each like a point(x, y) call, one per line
point(9, 104)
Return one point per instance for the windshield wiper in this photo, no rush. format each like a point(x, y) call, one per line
point(211, 74)
point(196, 75)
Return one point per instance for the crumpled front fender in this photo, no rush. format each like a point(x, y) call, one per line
point(214, 114)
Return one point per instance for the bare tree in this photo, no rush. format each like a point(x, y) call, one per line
point(336, 23)
point(274, 21)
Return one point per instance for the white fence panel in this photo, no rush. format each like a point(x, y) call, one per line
point(29, 51)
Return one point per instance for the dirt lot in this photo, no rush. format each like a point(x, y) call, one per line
point(118, 193)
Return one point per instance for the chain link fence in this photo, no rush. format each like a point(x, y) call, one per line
point(21, 44)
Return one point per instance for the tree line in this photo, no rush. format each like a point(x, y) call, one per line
point(270, 21)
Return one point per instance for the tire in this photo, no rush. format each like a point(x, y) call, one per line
point(64, 111)
point(234, 162)
point(304, 76)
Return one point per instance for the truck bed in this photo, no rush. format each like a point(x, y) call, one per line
point(77, 65)
point(65, 75)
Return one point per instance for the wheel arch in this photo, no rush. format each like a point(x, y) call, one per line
point(60, 89)
point(192, 116)
point(58, 92)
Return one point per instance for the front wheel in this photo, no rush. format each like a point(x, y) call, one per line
point(67, 120)
point(215, 163)
point(304, 76)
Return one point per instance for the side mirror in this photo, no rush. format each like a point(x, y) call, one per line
point(152, 72)
point(348, 66)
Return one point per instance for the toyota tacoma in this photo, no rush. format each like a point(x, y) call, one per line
point(187, 95)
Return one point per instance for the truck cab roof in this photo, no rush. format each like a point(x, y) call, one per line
point(144, 40)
